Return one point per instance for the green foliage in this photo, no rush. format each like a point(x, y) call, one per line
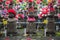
point(57, 33)
point(44, 2)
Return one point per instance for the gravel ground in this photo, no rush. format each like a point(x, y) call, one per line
point(34, 37)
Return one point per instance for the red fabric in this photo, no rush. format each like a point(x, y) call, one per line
point(50, 5)
point(12, 11)
point(30, 0)
point(52, 9)
point(31, 19)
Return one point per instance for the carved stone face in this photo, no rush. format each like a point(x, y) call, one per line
point(11, 15)
point(58, 7)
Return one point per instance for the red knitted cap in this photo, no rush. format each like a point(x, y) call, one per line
point(12, 11)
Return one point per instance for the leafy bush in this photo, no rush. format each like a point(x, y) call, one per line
point(57, 33)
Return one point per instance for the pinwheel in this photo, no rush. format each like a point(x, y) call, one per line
point(30, 0)
point(7, 2)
